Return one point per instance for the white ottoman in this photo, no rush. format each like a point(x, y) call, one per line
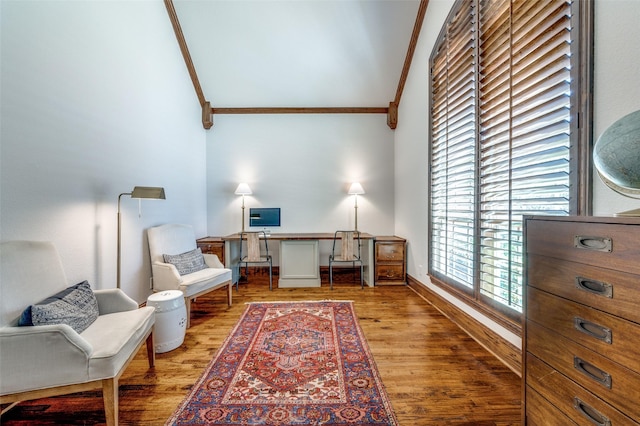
point(171, 319)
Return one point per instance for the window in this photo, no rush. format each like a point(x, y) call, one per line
point(507, 86)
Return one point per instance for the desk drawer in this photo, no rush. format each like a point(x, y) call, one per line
point(605, 289)
point(612, 246)
point(389, 252)
point(212, 247)
point(389, 272)
point(606, 334)
point(573, 400)
point(612, 382)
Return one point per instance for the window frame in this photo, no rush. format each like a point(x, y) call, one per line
point(581, 141)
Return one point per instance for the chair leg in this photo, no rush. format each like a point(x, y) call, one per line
point(110, 397)
point(330, 275)
point(187, 302)
point(270, 277)
point(151, 351)
point(230, 293)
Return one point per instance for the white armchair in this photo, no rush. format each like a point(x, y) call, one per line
point(176, 239)
point(47, 360)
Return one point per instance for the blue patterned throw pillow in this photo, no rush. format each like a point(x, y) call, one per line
point(186, 263)
point(75, 306)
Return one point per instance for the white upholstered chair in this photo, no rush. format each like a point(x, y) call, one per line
point(54, 359)
point(175, 240)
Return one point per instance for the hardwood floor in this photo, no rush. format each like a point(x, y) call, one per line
point(434, 373)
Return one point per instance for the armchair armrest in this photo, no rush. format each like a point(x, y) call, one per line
point(212, 260)
point(42, 356)
point(114, 300)
point(165, 276)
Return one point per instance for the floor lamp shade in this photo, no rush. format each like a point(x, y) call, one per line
point(148, 192)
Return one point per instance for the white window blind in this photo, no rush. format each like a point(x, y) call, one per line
point(501, 108)
point(453, 150)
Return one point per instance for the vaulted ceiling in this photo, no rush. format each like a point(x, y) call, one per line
point(298, 53)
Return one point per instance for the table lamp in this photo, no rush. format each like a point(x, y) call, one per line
point(356, 189)
point(243, 189)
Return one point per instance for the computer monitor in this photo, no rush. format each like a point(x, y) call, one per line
point(264, 217)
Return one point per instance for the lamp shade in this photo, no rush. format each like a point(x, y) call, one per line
point(148, 192)
point(243, 189)
point(356, 189)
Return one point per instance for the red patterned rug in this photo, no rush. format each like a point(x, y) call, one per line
point(290, 363)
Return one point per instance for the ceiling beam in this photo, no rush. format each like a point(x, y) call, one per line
point(392, 116)
point(207, 119)
point(305, 110)
point(208, 111)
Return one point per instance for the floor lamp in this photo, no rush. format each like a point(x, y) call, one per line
point(243, 189)
point(151, 192)
point(356, 189)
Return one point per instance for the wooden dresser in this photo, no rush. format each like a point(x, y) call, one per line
point(212, 245)
point(390, 261)
point(581, 331)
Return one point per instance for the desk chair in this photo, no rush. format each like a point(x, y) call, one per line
point(255, 253)
point(349, 253)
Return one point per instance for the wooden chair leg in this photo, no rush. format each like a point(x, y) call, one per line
point(230, 293)
point(151, 351)
point(110, 396)
point(187, 302)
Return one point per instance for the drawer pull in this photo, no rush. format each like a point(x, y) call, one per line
point(592, 372)
point(592, 329)
point(595, 287)
point(593, 415)
point(592, 243)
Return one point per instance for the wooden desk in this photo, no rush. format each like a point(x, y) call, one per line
point(299, 257)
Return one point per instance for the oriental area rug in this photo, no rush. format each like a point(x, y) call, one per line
point(290, 363)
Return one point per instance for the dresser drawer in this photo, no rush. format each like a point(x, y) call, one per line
point(612, 291)
point(212, 245)
point(603, 333)
point(612, 246)
point(573, 400)
point(612, 382)
point(389, 252)
point(389, 272)
point(541, 412)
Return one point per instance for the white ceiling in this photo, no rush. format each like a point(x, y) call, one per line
point(298, 53)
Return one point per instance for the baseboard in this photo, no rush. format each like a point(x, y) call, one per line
point(502, 349)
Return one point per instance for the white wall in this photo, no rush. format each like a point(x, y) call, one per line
point(616, 93)
point(96, 100)
point(616, 88)
point(303, 164)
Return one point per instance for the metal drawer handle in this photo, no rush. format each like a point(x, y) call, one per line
point(596, 287)
point(593, 415)
point(592, 329)
point(592, 243)
point(592, 372)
